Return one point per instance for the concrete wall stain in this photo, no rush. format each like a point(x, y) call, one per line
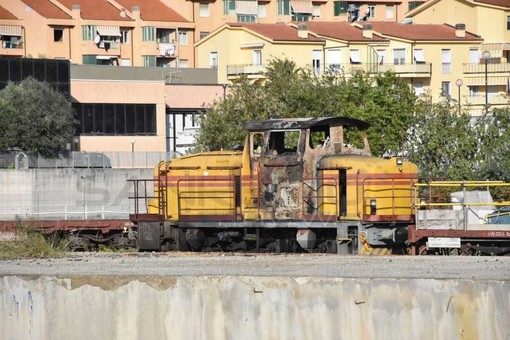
point(221, 307)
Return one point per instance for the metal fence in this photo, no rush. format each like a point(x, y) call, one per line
point(84, 160)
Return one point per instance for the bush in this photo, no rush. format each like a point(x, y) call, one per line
point(31, 243)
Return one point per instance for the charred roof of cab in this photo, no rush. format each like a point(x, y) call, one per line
point(304, 123)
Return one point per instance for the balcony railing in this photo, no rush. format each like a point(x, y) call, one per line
point(491, 68)
point(237, 70)
point(12, 44)
point(167, 50)
point(492, 100)
point(402, 70)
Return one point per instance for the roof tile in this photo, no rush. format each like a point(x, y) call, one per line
point(340, 30)
point(95, 9)
point(425, 32)
point(153, 10)
point(276, 32)
point(502, 3)
point(46, 9)
point(5, 14)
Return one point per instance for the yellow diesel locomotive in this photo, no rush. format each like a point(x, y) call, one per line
point(297, 185)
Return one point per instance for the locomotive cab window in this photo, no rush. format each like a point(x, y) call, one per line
point(319, 137)
point(354, 138)
point(283, 142)
point(257, 142)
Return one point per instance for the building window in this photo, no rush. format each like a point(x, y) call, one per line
point(229, 7)
point(399, 56)
point(508, 23)
point(301, 17)
point(89, 59)
point(189, 121)
point(163, 36)
point(316, 11)
point(262, 10)
point(339, 8)
point(213, 59)
point(54, 72)
point(183, 38)
point(246, 18)
point(204, 10)
point(390, 11)
point(381, 55)
point(116, 119)
point(88, 32)
point(413, 4)
point(58, 35)
point(148, 33)
point(283, 7)
point(419, 56)
point(125, 37)
point(354, 56)
point(371, 11)
point(149, 61)
point(446, 61)
point(474, 56)
point(419, 88)
point(317, 61)
point(257, 57)
point(183, 63)
point(334, 57)
point(445, 89)
point(474, 91)
point(203, 34)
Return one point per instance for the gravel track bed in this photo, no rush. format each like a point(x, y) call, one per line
point(307, 265)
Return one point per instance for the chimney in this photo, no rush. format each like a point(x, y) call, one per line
point(135, 10)
point(76, 11)
point(460, 30)
point(367, 31)
point(302, 31)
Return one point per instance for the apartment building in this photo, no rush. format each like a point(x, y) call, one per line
point(101, 32)
point(429, 57)
point(209, 15)
point(245, 49)
point(11, 33)
point(485, 78)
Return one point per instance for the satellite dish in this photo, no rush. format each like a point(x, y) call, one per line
point(97, 39)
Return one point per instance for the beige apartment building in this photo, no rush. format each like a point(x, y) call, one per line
point(430, 57)
point(485, 76)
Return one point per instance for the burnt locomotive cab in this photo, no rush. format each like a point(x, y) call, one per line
point(299, 185)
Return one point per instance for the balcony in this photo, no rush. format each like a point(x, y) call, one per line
point(167, 50)
point(249, 70)
point(405, 70)
point(12, 48)
point(491, 68)
point(492, 100)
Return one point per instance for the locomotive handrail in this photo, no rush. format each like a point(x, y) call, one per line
point(394, 183)
point(203, 195)
point(312, 189)
point(145, 197)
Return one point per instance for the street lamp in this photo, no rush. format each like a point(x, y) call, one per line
point(224, 90)
point(459, 83)
point(486, 55)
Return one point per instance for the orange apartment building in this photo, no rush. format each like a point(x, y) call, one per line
point(98, 32)
point(156, 32)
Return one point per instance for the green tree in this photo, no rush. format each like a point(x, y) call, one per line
point(443, 143)
point(493, 132)
point(37, 118)
point(384, 100)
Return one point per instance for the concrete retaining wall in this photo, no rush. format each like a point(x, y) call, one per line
point(107, 307)
point(67, 193)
